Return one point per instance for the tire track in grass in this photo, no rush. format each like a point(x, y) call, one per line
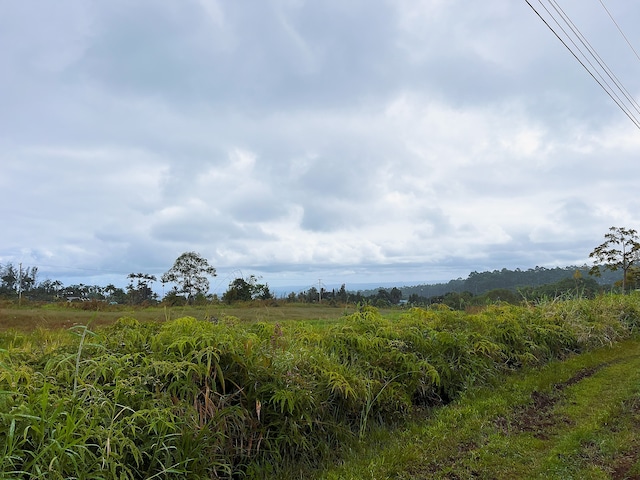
point(577, 419)
point(569, 430)
point(605, 440)
point(538, 417)
point(623, 466)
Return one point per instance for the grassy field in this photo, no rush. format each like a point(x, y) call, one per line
point(55, 316)
point(263, 391)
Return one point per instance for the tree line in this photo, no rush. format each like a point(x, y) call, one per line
point(479, 283)
point(188, 279)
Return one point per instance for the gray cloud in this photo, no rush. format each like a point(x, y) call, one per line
point(413, 140)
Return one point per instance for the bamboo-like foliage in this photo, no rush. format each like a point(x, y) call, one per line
point(196, 399)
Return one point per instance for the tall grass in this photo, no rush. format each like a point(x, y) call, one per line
point(196, 399)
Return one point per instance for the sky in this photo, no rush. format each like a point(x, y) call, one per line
point(342, 141)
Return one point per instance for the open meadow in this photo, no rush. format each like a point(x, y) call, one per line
point(96, 314)
point(288, 392)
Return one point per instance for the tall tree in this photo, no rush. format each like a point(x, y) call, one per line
point(240, 290)
point(618, 252)
point(312, 295)
point(342, 295)
point(189, 272)
point(115, 294)
point(28, 279)
point(139, 288)
point(46, 290)
point(395, 295)
point(9, 277)
point(247, 289)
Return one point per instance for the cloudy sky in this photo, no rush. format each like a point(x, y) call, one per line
point(344, 140)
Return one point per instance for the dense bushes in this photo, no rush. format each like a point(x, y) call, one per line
point(195, 399)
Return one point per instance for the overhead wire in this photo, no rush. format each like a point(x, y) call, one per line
point(619, 29)
point(604, 84)
point(583, 58)
point(603, 65)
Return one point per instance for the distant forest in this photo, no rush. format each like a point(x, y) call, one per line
point(479, 283)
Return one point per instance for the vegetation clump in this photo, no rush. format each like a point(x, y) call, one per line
point(198, 399)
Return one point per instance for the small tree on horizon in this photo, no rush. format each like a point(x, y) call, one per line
point(189, 272)
point(618, 252)
point(243, 290)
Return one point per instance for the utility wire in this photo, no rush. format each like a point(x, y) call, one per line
point(609, 89)
point(619, 29)
point(603, 65)
point(594, 74)
point(576, 32)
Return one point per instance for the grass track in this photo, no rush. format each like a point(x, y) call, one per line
point(577, 419)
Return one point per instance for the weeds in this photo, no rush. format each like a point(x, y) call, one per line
point(188, 398)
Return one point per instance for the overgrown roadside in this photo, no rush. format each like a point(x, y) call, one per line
point(577, 419)
point(222, 398)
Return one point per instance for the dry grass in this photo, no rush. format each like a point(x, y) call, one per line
point(55, 316)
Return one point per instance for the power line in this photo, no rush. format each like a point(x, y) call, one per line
point(619, 29)
point(593, 71)
point(603, 65)
point(566, 39)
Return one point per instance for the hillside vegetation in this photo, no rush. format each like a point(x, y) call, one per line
point(478, 283)
point(188, 398)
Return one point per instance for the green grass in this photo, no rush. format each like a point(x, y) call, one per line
point(269, 396)
point(63, 315)
point(576, 419)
